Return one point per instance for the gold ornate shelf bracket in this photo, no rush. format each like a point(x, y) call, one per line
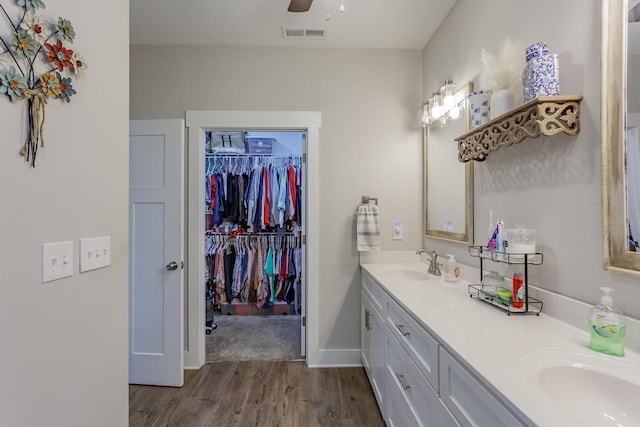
point(547, 116)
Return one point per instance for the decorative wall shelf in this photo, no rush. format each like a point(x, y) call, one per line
point(547, 115)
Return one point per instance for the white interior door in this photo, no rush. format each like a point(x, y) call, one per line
point(156, 252)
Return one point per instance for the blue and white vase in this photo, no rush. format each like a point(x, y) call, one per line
point(479, 103)
point(536, 50)
point(541, 75)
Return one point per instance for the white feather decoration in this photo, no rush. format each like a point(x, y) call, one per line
point(505, 69)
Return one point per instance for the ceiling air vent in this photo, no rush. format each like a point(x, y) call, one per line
point(304, 33)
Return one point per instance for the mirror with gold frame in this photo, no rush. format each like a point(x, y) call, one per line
point(448, 183)
point(619, 121)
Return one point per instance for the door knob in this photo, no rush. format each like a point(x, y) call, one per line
point(172, 266)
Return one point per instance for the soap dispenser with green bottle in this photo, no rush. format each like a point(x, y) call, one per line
point(606, 325)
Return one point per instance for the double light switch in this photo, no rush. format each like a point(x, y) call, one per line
point(57, 261)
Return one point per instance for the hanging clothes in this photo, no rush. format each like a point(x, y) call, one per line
point(258, 193)
point(253, 221)
point(261, 270)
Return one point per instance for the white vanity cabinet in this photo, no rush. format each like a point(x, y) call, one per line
point(372, 336)
point(414, 377)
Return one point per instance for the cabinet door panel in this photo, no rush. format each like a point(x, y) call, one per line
point(445, 417)
point(377, 355)
point(468, 400)
point(372, 352)
point(365, 333)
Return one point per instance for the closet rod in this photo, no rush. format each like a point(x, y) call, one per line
point(242, 155)
point(254, 234)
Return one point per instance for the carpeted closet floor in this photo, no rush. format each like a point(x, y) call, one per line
point(239, 338)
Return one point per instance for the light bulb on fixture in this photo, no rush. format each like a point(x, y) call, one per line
point(341, 6)
point(447, 93)
point(424, 116)
point(448, 101)
point(454, 112)
point(436, 111)
point(433, 107)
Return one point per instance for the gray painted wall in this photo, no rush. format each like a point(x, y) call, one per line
point(370, 142)
point(64, 343)
point(551, 184)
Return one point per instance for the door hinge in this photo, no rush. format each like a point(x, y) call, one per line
point(304, 321)
point(304, 158)
point(182, 265)
point(304, 239)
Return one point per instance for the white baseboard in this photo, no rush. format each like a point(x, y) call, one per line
point(340, 358)
point(192, 361)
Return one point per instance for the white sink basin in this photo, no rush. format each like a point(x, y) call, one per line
point(405, 274)
point(594, 390)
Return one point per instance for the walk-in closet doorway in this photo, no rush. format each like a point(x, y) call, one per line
point(254, 224)
point(200, 126)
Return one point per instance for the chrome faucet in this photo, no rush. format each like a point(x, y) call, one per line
point(434, 268)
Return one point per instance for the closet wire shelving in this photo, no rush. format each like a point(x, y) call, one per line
point(488, 293)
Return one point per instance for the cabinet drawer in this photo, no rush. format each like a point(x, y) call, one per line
point(421, 346)
point(398, 412)
point(374, 290)
point(468, 400)
point(404, 378)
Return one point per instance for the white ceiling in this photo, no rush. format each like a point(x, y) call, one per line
point(401, 24)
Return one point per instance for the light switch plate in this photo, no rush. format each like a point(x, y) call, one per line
point(57, 261)
point(95, 253)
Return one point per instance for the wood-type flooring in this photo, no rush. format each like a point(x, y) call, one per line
point(258, 393)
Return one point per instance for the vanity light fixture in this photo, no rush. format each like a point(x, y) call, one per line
point(444, 104)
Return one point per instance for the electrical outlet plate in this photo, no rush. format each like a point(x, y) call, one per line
point(95, 253)
point(397, 231)
point(57, 261)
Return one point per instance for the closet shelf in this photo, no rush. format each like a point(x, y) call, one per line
point(547, 116)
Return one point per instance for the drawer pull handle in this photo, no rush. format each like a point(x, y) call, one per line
point(403, 382)
point(401, 329)
point(366, 319)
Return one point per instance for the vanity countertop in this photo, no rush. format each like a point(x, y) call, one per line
point(491, 343)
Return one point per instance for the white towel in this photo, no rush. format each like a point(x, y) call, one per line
point(368, 229)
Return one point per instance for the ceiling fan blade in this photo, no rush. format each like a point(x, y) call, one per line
point(299, 5)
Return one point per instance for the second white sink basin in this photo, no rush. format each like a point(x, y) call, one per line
point(594, 390)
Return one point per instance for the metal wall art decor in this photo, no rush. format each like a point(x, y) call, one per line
point(37, 64)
